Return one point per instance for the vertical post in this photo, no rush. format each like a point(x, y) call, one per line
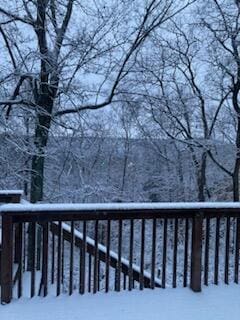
point(196, 254)
point(45, 258)
point(16, 198)
point(20, 259)
point(17, 245)
point(7, 259)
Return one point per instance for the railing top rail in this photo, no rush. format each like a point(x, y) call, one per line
point(81, 207)
point(114, 211)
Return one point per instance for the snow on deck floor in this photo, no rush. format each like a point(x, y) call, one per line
point(214, 303)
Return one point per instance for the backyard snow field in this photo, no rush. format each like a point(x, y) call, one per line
point(214, 303)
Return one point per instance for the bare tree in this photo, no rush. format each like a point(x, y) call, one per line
point(178, 100)
point(221, 21)
point(67, 40)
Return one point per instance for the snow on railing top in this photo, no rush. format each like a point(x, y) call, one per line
point(27, 207)
point(11, 192)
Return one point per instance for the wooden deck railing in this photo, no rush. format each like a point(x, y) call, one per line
point(98, 247)
point(10, 196)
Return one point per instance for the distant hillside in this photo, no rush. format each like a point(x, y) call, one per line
point(93, 169)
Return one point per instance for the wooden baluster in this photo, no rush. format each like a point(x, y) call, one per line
point(45, 259)
point(89, 272)
point(216, 258)
point(53, 255)
point(108, 243)
point(83, 260)
point(33, 258)
point(141, 276)
point(59, 258)
point(71, 262)
point(154, 223)
point(186, 240)
point(175, 251)
point(16, 243)
point(164, 257)
point(124, 281)
point(20, 258)
point(206, 253)
point(196, 254)
point(38, 247)
point(227, 245)
point(130, 270)
point(237, 247)
point(24, 246)
point(95, 271)
point(98, 274)
point(62, 263)
point(119, 262)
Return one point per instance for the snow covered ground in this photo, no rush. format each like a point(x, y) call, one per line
point(214, 303)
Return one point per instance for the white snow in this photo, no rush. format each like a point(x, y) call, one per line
point(9, 192)
point(214, 303)
point(118, 206)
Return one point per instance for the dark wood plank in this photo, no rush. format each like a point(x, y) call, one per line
point(141, 280)
point(16, 243)
point(89, 272)
point(154, 224)
point(131, 241)
point(33, 258)
point(83, 260)
point(216, 257)
point(107, 264)
point(20, 259)
point(98, 274)
point(38, 246)
point(175, 254)
point(196, 253)
point(112, 214)
point(59, 258)
point(71, 262)
point(206, 251)
point(164, 253)
point(95, 271)
point(10, 197)
point(227, 247)
point(62, 263)
point(7, 260)
point(186, 241)
point(53, 259)
point(124, 281)
point(56, 214)
point(237, 248)
point(24, 246)
point(45, 258)
point(119, 264)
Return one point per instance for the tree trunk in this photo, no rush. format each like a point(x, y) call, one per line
point(200, 167)
point(40, 141)
point(37, 174)
point(237, 165)
point(201, 178)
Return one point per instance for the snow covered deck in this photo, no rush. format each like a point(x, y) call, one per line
point(214, 303)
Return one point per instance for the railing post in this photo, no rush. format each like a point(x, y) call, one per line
point(7, 259)
point(196, 254)
point(17, 244)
